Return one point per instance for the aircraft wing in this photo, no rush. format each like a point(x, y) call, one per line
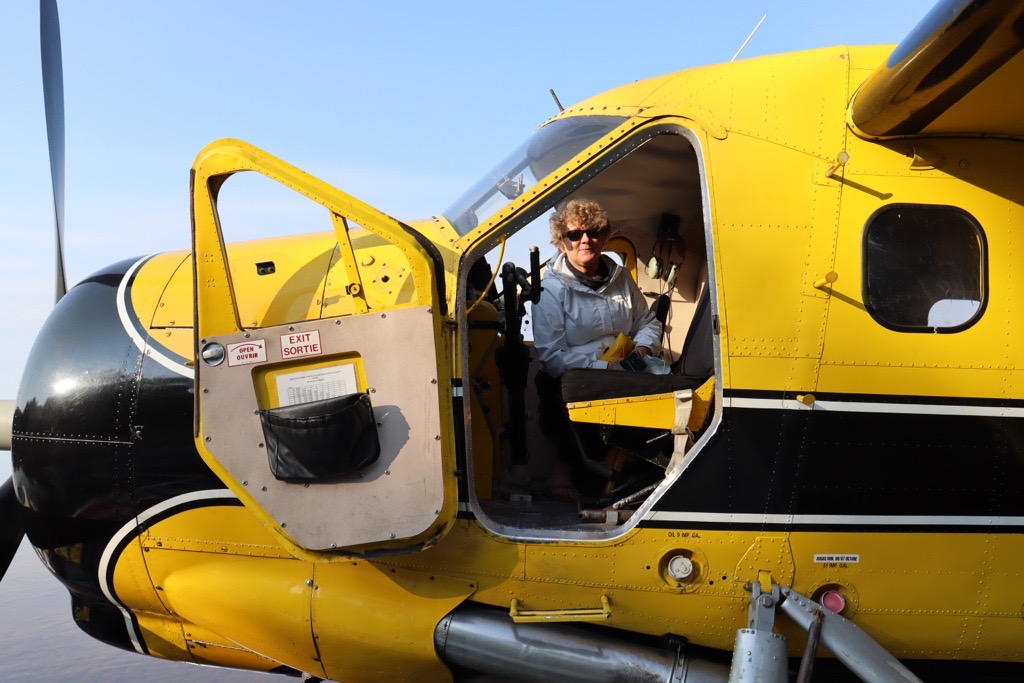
point(958, 72)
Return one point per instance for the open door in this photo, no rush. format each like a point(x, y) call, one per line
point(333, 429)
point(588, 454)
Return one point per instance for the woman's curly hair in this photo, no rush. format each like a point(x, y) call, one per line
point(584, 212)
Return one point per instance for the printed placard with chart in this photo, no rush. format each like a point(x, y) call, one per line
point(315, 385)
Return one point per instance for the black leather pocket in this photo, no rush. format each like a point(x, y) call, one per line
point(321, 440)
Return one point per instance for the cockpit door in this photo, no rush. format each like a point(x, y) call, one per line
point(333, 429)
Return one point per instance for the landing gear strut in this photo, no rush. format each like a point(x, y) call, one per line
point(759, 655)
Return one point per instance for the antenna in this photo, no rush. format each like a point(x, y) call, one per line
point(555, 97)
point(748, 38)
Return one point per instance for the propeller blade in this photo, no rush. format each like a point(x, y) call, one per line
point(6, 424)
point(11, 529)
point(53, 97)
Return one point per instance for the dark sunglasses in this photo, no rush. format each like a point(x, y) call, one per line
point(592, 233)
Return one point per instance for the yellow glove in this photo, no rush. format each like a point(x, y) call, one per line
point(620, 348)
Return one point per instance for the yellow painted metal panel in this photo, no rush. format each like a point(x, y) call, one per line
point(364, 613)
point(769, 558)
point(209, 648)
point(754, 97)
point(658, 411)
point(149, 297)
point(863, 356)
point(260, 603)
point(164, 637)
point(772, 244)
point(379, 276)
point(703, 398)
point(161, 630)
point(795, 374)
point(149, 569)
point(944, 588)
point(294, 291)
point(218, 568)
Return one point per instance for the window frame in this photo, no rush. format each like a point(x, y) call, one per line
point(874, 312)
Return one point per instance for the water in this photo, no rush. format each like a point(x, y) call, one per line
point(40, 641)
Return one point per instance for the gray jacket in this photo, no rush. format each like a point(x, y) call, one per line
point(573, 324)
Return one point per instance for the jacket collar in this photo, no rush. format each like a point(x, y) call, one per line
point(560, 269)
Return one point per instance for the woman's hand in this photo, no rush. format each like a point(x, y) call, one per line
point(642, 351)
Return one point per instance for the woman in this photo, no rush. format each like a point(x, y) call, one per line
point(587, 298)
point(586, 301)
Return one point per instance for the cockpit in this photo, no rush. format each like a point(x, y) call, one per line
point(631, 433)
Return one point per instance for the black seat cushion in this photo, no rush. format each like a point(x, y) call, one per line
point(596, 385)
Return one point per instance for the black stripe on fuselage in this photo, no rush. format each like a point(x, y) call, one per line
point(854, 462)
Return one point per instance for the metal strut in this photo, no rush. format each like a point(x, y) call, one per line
point(871, 662)
point(760, 656)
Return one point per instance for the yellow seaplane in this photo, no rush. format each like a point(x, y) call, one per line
point(316, 454)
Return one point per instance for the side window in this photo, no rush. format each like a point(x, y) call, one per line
point(924, 268)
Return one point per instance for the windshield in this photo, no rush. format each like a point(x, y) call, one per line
point(544, 151)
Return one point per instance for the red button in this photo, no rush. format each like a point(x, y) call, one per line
point(833, 600)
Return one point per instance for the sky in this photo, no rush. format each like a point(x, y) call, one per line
point(401, 104)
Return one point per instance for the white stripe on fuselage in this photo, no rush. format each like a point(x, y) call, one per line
point(126, 322)
point(873, 407)
point(130, 528)
point(682, 519)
